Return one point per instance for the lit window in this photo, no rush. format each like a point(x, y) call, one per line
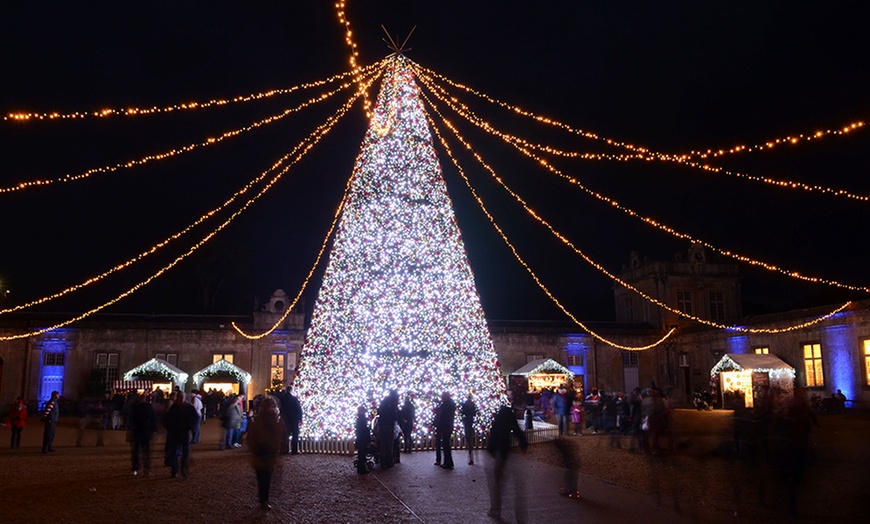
point(278, 360)
point(684, 302)
point(225, 356)
point(762, 351)
point(813, 365)
point(867, 362)
point(717, 305)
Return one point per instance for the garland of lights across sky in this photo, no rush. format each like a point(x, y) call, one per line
point(398, 307)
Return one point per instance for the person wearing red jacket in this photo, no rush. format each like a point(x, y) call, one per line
point(17, 420)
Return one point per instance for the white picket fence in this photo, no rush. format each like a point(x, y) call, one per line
point(541, 432)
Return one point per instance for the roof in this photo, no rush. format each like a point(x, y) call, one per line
point(156, 365)
point(222, 365)
point(543, 365)
point(749, 361)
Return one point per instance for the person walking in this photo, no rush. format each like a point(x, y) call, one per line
point(143, 425)
point(17, 421)
point(408, 416)
point(50, 416)
point(468, 410)
point(503, 426)
point(291, 414)
point(265, 438)
point(447, 417)
point(179, 421)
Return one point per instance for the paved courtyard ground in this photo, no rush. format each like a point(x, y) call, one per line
point(695, 483)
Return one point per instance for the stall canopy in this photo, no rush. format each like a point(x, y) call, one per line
point(156, 369)
point(544, 373)
point(752, 375)
point(126, 385)
point(222, 368)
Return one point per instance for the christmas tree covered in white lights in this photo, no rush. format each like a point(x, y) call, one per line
point(398, 308)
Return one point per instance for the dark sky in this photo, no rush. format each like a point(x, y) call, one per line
point(671, 76)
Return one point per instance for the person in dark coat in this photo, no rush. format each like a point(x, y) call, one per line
point(50, 415)
point(388, 416)
point(363, 438)
point(143, 425)
point(503, 426)
point(468, 410)
point(446, 420)
point(266, 436)
point(291, 414)
point(408, 415)
point(180, 420)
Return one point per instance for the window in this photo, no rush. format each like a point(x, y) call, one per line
point(169, 358)
point(573, 359)
point(533, 356)
point(628, 309)
point(277, 369)
point(107, 364)
point(867, 362)
point(813, 365)
point(226, 356)
point(629, 359)
point(762, 351)
point(52, 359)
point(717, 305)
point(684, 302)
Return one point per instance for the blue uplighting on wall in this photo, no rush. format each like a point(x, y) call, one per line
point(738, 344)
point(839, 362)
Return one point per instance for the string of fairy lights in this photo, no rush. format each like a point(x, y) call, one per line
point(305, 145)
point(188, 106)
point(180, 150)
point(354, 53)
point(535, 215)
point(685, 159)
point(467, 114)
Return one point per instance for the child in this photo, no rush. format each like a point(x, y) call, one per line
point(577, 413)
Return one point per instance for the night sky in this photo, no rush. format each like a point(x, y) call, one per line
point(670, 76)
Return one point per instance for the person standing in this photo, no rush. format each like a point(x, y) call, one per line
point(196, 402)
point(363, 439)
point(561, 408)
point(388, 417)
point(17, 421)
point(409, 416)
point(265, 438)
point(468, 410)
point(179, 421)
point(447, 417)
point(50, 415)
point(291, 414)
point(503, 425)
point(143, 424)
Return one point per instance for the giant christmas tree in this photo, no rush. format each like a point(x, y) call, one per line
point(398, 308)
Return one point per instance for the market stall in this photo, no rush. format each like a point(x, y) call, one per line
point(752, 377)
point(223, 376)
point(160, 373)
point(539, 374)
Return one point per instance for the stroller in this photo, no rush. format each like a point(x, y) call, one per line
point(372, 456)
point(373, 451)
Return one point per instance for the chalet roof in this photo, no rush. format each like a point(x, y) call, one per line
point(543, 365)
point(749, 361)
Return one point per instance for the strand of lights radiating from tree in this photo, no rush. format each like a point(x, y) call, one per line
point(163, 243)
point(649, 221)
point(354, 53)
point(307, 144)
point(188, 106)
point(428, 76)
point(534, 214)
point(178, 151)
point(398, 307)
point(528, 269)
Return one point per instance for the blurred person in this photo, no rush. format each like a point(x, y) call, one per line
point(447, 416)
point(388, 417)
point(408, 414)
point(436, 417)
point(291, 414)
point(577, 416)
point(593, 410)
point(266, 437)
point(232, 423)
point(792, 445)
point(142, 426)
point(17, 421)
point(196, 402)
point(363, 439)
point(468, 410)
point(561, 409)
point(499, 446)
point(179, 421)
point(93, 418)
point(571, 461)
point(50, 416)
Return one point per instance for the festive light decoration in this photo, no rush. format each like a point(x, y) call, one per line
point(184, 149)
point(528, 268)
point(643, 153)
point(156, 366)
point(222, 366)
point(458, 107)
point(135, 111)
point(398, 308)
point(304, 146)
point(591, 262)
point(354, 54)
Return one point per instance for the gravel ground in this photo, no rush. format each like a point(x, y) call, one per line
point(95, 484)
